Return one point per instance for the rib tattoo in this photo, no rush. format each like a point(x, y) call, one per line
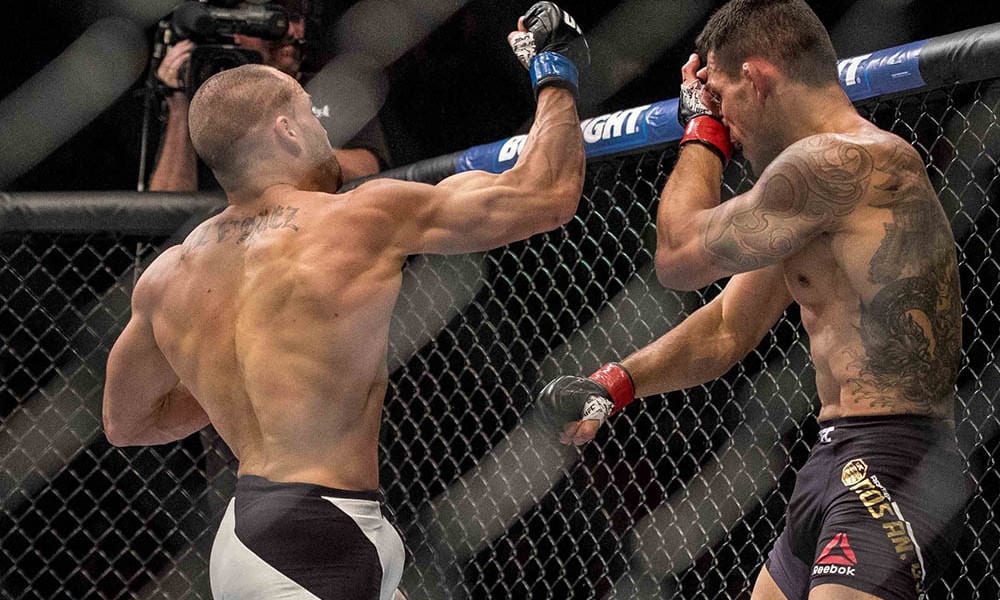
point(911, 329)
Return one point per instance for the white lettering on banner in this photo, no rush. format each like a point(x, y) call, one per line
point(511, 148)
point(616, 124)
point(604, 127)
point(321, 112)
point(849, 68)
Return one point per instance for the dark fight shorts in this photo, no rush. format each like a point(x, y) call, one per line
point(876, 508)
point(299, 540)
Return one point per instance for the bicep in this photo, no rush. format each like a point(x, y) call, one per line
point(803, 193)
point(137, 370)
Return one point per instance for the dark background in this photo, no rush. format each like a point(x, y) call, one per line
point(458, 87)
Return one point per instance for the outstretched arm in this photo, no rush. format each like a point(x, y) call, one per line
point(701, 348)
point(144, 401)
point(476, 210)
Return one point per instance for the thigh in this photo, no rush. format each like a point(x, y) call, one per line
point(832, 591)
point(766, 589)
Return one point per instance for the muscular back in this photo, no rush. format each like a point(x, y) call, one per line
point(868, 254)
point(275, 316)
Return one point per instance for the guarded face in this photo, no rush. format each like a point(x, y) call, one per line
point(735, 100)
point(284, 54)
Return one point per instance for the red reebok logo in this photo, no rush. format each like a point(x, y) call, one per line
point(837, 552)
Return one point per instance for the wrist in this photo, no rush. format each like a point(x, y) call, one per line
point(552, 68)
point(618, 382)
point(711, 133)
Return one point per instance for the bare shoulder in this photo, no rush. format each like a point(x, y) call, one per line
point(825, 177)
point(846, 170)
point(155, 277)
point(383, 205)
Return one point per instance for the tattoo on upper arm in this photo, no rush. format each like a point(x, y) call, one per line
point(808, 186)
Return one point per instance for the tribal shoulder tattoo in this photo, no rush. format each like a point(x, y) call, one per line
point(811, 184)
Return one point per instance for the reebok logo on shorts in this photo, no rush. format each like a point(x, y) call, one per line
point(837, 557)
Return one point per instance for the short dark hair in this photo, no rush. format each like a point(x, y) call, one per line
point(786, 32)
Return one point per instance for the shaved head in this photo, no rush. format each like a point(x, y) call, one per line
point(231, 105)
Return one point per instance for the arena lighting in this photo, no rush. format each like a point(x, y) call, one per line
point(69, 93)
point(949, 150)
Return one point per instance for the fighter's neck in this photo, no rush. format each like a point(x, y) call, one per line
point(813, 112)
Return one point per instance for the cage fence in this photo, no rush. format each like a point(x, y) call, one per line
point(681, 496)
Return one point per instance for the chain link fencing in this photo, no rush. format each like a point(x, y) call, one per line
point(680, 497)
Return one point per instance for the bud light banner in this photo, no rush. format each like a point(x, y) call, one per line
point(621, 131)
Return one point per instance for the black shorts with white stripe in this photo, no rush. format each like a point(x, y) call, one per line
point(299, 540)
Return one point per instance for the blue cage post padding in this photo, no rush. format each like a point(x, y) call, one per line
point(969, 55)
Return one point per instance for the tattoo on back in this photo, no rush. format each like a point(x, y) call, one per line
point(911, 329)
point(278, 217)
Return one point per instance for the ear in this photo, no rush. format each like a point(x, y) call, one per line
point(287, 134)
point(761, 74)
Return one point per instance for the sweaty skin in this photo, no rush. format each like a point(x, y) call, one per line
point(274, 315)
point(847, 214)
point(867, 253)
point(842, 220)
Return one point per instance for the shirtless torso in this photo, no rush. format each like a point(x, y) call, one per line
point(878, 286)
point(280, 329)
point(271, 320)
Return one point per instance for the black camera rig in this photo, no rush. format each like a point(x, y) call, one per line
point(212, 25)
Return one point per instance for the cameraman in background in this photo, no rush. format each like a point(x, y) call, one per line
point(177, 168)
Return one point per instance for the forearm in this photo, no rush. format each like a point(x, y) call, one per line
point(551, 166)
point(170, 417)
point(693, 189)
point(177, 167)
point(698, 350)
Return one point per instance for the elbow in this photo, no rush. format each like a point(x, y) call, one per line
point(674, 272)
point(116, 435)
point(561, 205)
point(566, 200)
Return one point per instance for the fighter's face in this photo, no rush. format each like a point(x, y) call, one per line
point(735, 100)
point(317, 144)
